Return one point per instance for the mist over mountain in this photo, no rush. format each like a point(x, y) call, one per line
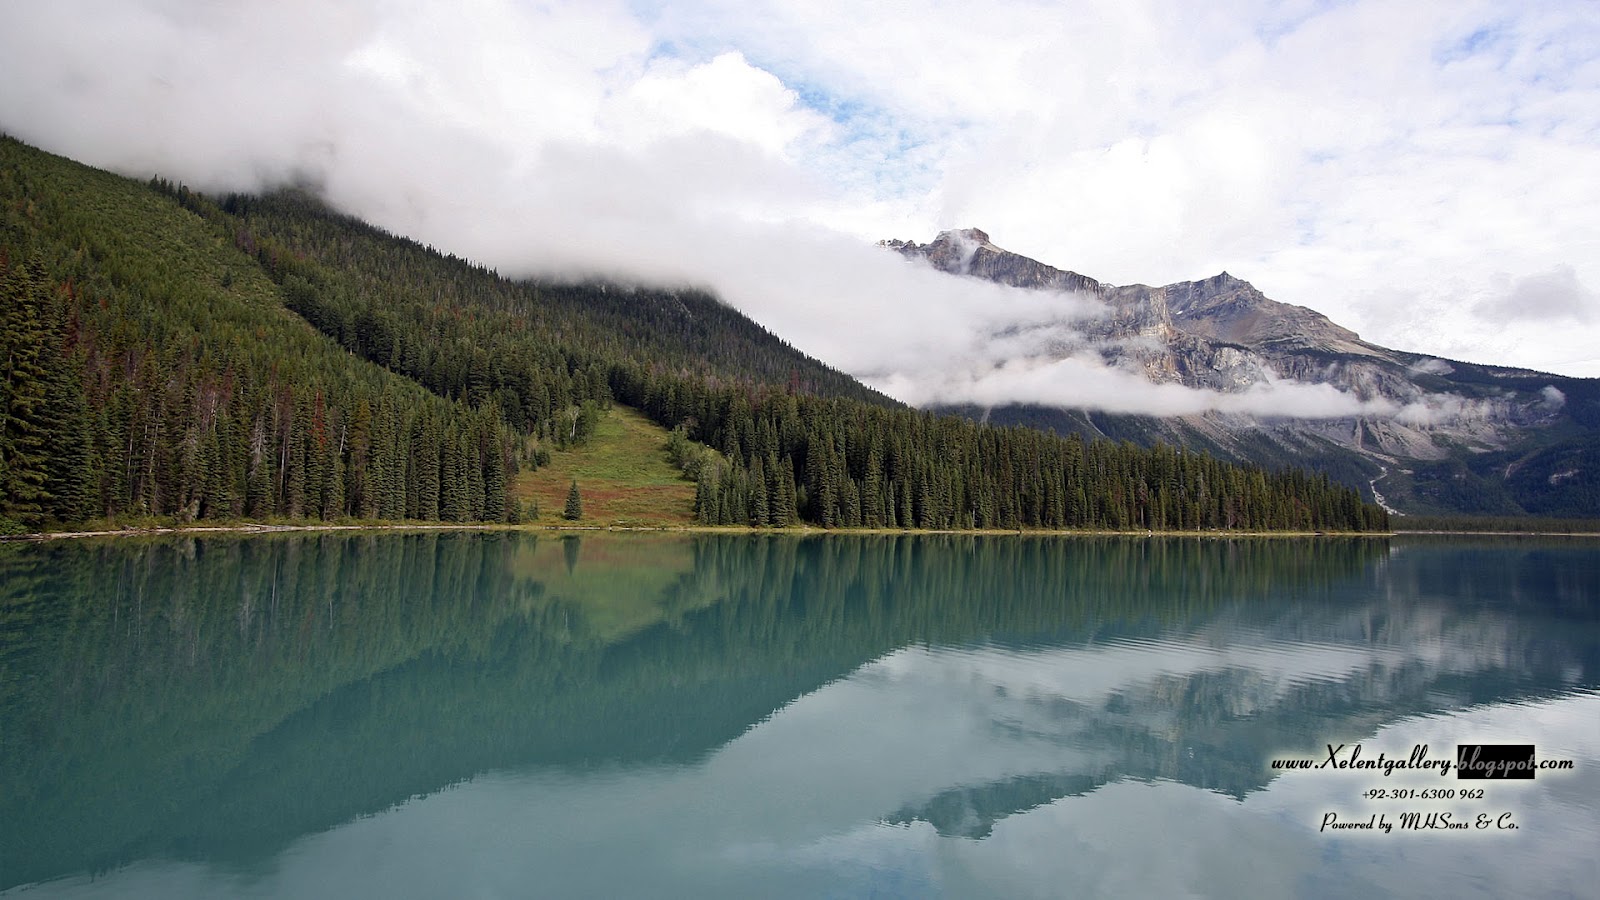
point(1220, 366)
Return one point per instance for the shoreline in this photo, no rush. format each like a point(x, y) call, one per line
point(801, 530)
point(1437, 533)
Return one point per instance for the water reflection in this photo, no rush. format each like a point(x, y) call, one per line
point(237, 715)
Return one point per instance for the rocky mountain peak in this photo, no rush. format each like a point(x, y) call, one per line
point(969, 235)
point(1232, 310)
point(968, 251)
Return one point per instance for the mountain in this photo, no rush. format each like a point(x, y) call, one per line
point(1431, 435)
point(172, 356)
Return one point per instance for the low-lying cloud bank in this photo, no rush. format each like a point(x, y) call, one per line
point(925, 337)
point(1084, 383)
point(572, 139)
point(928, 338)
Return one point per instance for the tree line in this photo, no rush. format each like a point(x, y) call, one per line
point(168, 354)
point(784, 458)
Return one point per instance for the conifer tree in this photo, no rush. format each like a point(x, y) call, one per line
point(477, 494)
point(333, 497)
point(785, 512)
point(424, 469)
point(574, 507)
point(258, 481)
point(496, 507)
point(24, 349)
point(705, 497)
point(760, 508)
point(71, 473)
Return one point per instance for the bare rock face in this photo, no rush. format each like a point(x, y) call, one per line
point(1221, 334)
point(1196, 321)
point(967, 251)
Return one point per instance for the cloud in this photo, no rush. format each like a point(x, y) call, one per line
point(1084, 382)
point(725, 96)
point(925, 337)
point(1552, 296)
point(1431, 367)
point(1378, 163)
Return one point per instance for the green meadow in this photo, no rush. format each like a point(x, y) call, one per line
point(623, 475)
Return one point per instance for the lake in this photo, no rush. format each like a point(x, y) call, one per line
point(458, 714)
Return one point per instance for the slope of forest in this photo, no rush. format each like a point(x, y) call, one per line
point(152, 369)
point(170, 354)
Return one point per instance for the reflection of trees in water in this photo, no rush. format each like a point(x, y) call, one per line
point(961, 587)
point(219, 696)
point(570, 545)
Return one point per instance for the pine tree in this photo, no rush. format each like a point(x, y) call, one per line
point(70, 474)
point(333, 495)
point(872, 489)
point(496, 507)
point(24, 378)
point(453, 490)
point(760, 507)
point(574, 507)
point(359, 478)
point(784, 513)
point(424, 469)
point(390, 455)
point(258, 483)
point(705, 496)
point(477, 494)
point(294, 505)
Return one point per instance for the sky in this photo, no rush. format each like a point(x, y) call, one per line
point(1425, 173)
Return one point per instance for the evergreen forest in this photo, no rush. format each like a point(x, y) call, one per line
point(177, 356)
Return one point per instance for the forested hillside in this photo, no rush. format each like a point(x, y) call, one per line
point(170, 354)
point(151, 369)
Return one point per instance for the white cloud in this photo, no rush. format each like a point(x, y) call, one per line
point(1432, 367)
point(1082, 381)
point(725, 96)
point(1417, 172)
point(1548, 296)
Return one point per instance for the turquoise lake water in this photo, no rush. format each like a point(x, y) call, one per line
point(633, 715)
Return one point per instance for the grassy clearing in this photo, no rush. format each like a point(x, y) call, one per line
point(623, 475)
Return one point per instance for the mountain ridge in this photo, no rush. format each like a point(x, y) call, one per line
point(1413, 414)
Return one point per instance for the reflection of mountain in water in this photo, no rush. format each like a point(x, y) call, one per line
point(219, 697)
point(1197, 707)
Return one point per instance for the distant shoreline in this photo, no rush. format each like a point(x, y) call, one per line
point(803, 530)
point(261, 528)
point(1466, 533)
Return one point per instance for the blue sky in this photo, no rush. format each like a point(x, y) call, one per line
point(1427, 173)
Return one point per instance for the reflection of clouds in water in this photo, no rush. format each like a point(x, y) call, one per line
point(1091, 674)
point(1167, 839)
point(744, 819)
point(1162, 839)
point(797, 805)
